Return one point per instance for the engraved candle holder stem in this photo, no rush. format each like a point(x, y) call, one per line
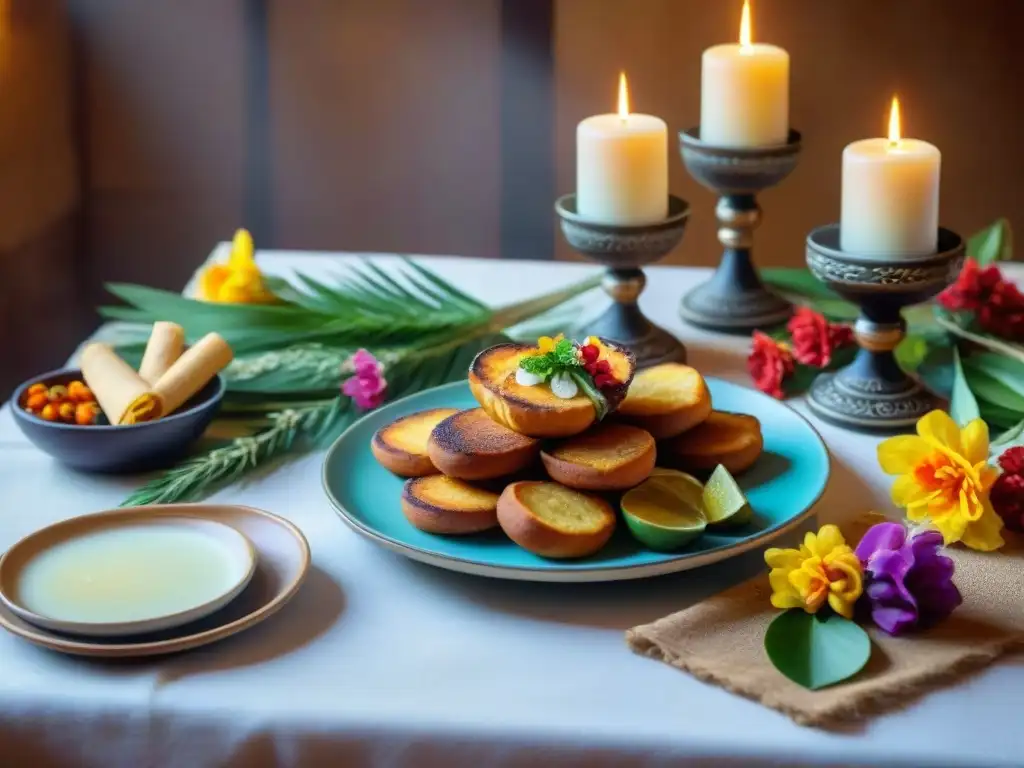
point(623, 250)
point(735, 299)
point(873, 393)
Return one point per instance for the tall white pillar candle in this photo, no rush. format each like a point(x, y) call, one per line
point(744, 93)
point(890, 197)
point(622, 167)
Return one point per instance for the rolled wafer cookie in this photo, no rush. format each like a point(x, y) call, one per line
point(191, 372)
point(164, 347)
point(122, 394)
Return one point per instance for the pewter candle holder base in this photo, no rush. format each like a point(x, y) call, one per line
point(873, 393)
point(624, 250)
point(735, 300)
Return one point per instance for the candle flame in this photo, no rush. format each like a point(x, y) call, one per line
point(746, 36)
point(894, 122)
point(623, 96)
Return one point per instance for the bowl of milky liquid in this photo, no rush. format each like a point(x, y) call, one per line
point(122, 573)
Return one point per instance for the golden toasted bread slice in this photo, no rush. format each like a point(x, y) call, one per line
point(536, 411)
point(401, 446)
point(439, 504)
point(470, 445)
point(666, 400)
point(609, 457)
point(732, 439)
point(551, 520)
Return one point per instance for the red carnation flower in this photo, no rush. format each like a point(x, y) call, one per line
point(1007, 493)
point(1002, 314)
point(769, 364)
point(972, 288)
point(815, 339)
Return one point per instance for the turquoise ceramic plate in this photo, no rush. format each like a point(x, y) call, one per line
point(782, 487)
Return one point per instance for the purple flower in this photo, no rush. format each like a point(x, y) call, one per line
point(366, 385)
point(908, 583)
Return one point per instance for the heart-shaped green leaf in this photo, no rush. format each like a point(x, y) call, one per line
point(816, 652)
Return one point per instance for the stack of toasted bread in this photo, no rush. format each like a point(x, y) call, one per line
point(545, 469)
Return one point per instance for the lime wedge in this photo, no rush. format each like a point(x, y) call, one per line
point(665, 511)
point(724, 503)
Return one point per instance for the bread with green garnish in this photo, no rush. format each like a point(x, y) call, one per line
point(536, 410)
point(553, 521)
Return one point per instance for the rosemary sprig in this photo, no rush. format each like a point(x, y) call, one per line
point(314, 424)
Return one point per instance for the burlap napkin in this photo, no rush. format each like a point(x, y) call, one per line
point(720, 641)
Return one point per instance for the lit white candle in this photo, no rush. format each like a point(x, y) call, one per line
point(890, 200)
point(744, 92)
point(622, 166)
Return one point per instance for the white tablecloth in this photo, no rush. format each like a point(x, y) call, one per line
point(381, 661)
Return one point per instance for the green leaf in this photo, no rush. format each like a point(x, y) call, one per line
point(912, 351)
point(956, 325)
point(994, 243)
point(963, 407)
point(798, 281)
point(1008, 371)
point(586, 385)
point(834, 309)
point(998, 418)
point(816, 651)
point(990, 390)
point(1012, 437)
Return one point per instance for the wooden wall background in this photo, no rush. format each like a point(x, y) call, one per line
point(146, 132)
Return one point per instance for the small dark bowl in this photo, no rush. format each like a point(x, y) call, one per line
point(118, 448)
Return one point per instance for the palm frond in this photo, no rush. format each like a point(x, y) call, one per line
point(363, 306)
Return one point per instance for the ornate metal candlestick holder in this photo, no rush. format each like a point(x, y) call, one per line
point(734, 299)
point(872, 393)
point(623, 250)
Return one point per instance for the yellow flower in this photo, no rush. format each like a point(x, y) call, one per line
point(547, 344)
point(237, 282)
point(944, 477)
point(824, 569)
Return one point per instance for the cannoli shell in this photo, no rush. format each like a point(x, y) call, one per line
point(122, 394)
point(166, 342)
point(191, 372)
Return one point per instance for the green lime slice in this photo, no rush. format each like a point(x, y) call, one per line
point(724, 503)
point(665, 511)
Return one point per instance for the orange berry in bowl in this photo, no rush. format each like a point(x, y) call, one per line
point(36, 389)
point(36, 400)
point(80, 393)
point(86, 413)
point(50, 412)
point(66, 411)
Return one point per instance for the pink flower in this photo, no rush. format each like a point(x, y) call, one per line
point(367, 385)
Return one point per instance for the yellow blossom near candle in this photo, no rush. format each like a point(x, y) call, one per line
point(944, 478)
point(239, 280)
point(824, 570)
